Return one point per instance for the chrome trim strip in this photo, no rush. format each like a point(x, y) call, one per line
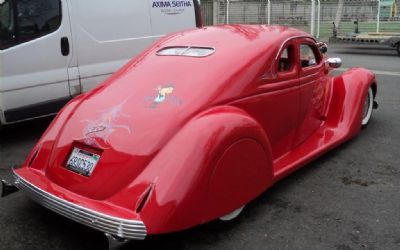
point(127, 229)
point(291, 38)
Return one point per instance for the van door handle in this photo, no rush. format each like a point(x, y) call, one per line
point(64, 46)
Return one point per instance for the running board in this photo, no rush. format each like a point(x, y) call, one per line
point(322, 141)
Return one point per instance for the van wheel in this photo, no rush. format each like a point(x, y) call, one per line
point(232, 215)
point(367, 108)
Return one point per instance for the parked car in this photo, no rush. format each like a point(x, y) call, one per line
point(53, 50)
point(193, 129)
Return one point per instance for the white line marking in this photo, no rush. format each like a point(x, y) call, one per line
point(377, 72)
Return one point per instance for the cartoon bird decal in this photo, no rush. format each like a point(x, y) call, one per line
point(163, 92)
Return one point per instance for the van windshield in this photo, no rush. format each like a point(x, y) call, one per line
point(186, 51)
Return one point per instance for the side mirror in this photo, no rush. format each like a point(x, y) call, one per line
point(334, 62)
point(322, 47)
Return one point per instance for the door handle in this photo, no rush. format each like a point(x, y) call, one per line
point(64, 46)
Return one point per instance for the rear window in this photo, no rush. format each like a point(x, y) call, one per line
point(186, 51)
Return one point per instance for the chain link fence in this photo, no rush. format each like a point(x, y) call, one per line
point(321, 18)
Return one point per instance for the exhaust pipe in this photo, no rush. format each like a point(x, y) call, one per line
point(115, 242)
point(7, 188)
point(375, 106)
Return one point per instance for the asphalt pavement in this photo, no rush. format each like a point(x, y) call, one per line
point(347, 199)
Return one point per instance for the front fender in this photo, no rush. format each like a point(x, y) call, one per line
point(345, 105)
point(217, 162)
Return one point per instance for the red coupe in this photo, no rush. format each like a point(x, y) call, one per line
point(193, 129)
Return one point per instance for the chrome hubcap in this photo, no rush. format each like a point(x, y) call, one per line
point(367, 108)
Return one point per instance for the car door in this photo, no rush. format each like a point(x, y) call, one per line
point(312, 82)
point(34, 54)
point(276, 102)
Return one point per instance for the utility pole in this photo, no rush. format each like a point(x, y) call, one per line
point(339, 12)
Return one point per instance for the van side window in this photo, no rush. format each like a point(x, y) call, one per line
point(308, 56)
point(285, 62)
point(6, 25)
point(35, 18)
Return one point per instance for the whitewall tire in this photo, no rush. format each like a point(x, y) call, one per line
point(232, 215)
point(367, 108)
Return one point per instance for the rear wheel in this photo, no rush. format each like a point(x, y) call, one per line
point(367, 108)
point(232, 215)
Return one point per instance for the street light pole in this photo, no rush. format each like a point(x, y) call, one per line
point(227, 11)
point(312, 17)
point(318, 17)
point(378, 18)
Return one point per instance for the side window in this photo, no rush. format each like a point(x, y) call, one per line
point(285, 62)
point(6, 24)
point(308, 56)
point(35, 18)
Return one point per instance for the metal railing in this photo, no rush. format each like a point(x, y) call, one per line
point(321, 18)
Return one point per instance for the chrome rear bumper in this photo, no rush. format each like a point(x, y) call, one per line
point(126, 229)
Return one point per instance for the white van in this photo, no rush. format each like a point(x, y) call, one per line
point(52, 50)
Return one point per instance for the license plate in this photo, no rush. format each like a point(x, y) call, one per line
point(82, 161)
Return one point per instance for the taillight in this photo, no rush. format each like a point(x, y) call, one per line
point(33, 157)
point(144, 198)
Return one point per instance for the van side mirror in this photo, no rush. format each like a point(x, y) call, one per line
point(334, 62)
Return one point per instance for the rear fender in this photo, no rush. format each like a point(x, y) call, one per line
point(242, 173)
point(194, 172)
point(347, 95)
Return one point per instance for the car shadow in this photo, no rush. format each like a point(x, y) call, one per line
point(16, 141)
point(21, 131)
